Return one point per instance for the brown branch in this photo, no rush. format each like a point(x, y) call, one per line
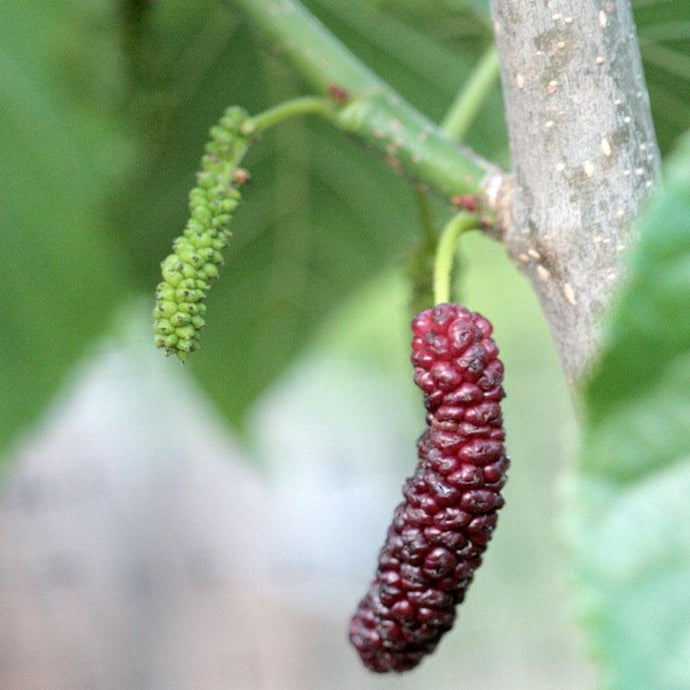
point(584, 156)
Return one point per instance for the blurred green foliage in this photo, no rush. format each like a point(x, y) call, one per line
point(61, 150)
point(631, 516)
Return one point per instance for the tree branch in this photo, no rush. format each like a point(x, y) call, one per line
point(584, 156)
point(408, 140)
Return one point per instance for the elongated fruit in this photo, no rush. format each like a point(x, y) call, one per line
point(441, 529)
point(197, 253)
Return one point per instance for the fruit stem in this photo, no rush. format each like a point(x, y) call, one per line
point(472, 96)
point(306, 105)
point(445, 252)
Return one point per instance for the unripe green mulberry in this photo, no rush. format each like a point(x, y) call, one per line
point(197, 253)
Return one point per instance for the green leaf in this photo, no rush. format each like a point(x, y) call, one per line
point(305, 238)
point(663, 28)
point(59, 153)
point(632, 513)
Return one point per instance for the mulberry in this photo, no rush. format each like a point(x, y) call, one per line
point(179, 310)
point(441, 529)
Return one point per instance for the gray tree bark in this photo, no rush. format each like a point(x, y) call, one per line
point(584, 156)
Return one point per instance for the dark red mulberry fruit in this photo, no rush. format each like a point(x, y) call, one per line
point(441, 529)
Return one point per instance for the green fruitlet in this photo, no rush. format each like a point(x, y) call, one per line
point(197, 253)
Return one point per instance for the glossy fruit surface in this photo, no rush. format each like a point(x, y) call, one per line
point(440, 530)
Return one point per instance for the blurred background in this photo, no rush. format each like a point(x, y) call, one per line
point(144, 545)
point(214, 525)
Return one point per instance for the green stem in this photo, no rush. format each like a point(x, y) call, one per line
point(445, 252)
point(472, 96)
point(372, 111)
point(420, 263)
point(412, 144)
point(318, 55)
point(308, 105)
